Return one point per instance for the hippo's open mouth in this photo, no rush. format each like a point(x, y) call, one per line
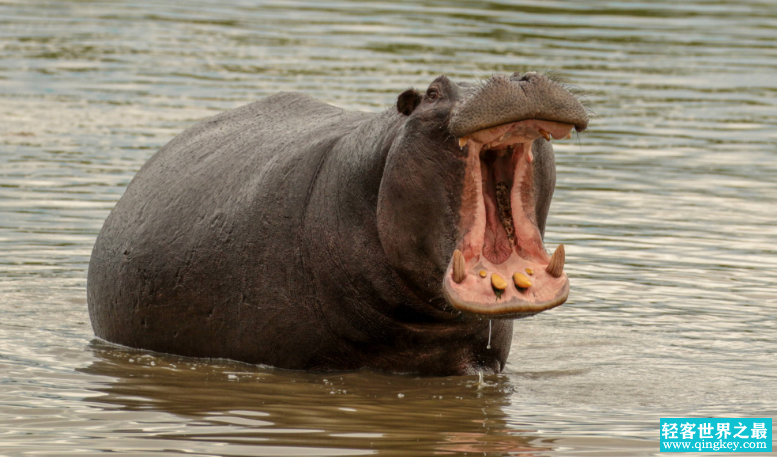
point(501, 268)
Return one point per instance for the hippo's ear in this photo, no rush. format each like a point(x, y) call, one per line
point(408, 101)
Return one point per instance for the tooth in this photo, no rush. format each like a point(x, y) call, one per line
point(459, 273)
point(521, 281)
point(498, 282)
point(556, 265)
point(463, 141)
point(569, 135)
point(545, 135)
point(530, 271)
point(483, 273)
point(530, 157)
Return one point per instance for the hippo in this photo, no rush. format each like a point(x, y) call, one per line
point(299, 235)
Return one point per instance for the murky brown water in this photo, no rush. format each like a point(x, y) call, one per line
point(667, 206)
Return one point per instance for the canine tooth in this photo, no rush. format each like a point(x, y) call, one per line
point(498, 282)
point(521, 280)
point(530, 271)
point(569, 135)
point(556, 265)
point(459, 272)
point(483, 273)
point(463, 141)
point(545, 134)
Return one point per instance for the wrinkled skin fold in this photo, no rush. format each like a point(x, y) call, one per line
point(292, 233)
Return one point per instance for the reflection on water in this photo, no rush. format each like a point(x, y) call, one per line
point(340, 413)
point(666, 206)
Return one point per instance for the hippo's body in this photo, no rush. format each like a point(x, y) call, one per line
point(295, 234)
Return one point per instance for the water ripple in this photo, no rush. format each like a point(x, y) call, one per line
point(666, 206)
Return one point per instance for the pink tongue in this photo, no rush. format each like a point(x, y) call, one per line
point(496, 246)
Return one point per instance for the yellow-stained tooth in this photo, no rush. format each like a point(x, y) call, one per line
point(483, 273)
point(545, 134)
point(463, 142)
point(498, 282)
point(569, 135)
point(556, 265)
point(530, 271)
point(521, 281)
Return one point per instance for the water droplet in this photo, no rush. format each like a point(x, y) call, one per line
point(488, 346)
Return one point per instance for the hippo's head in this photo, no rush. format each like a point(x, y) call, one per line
point(466, 190)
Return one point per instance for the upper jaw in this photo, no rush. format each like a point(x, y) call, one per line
point(525, 131)
point(502, 100)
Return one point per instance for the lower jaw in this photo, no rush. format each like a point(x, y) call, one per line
point(512, 306)
point(515, 288)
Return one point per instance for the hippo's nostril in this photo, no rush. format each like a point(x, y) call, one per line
point(518, 77)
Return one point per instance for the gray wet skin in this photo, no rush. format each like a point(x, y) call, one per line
point(295, 234)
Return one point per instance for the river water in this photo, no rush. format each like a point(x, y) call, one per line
point(667, 207)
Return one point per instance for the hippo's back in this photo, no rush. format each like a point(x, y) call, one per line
point(198, 254)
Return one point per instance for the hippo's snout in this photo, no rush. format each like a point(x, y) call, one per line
point(502, 100)
point(497, 123)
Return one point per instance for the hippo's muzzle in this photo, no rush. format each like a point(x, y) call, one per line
point(500, 267)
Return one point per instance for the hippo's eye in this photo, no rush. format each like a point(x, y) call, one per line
point(432, 94)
